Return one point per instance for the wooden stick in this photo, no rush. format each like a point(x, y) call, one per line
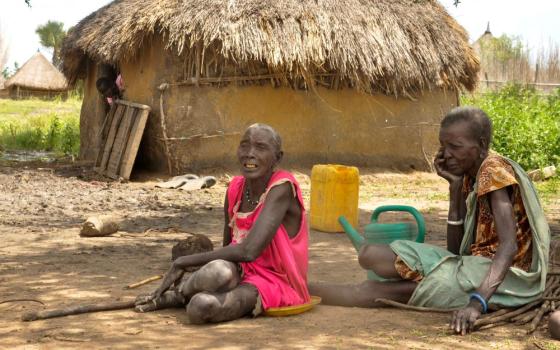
point(495, 313)
point(538, 317)
point(492, 325)
point(411, 307)
point(15, 300)
point(164, 130)
point(505, 317)
point(524, 315)
point(143, 282)
point(76, 310)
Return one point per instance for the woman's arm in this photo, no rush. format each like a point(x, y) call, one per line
point(227, 230)
point(457, 213)
point(262, 233)
point(502, 210)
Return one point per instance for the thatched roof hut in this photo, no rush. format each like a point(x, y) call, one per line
point(37, 77)
point(2, 81)
point(394, 46)
point(399, 48)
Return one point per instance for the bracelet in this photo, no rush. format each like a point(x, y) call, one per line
point(481, 300)
point(455, 223)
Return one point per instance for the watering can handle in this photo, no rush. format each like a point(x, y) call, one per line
point(419, 218)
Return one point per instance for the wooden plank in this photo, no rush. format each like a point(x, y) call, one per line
point(133, 143)
point(118, 110)
point(109, 144)
point(121, 140)
point(132, 104)
point(104, 132)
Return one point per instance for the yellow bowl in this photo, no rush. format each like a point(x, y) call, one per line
point(294, 309)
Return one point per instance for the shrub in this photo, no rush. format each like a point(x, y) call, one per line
point(526, 124)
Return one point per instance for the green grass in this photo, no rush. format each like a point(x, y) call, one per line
point(40, 125)
point(526, 124)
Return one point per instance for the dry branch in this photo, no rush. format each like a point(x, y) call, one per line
point(411, 307)
point(76, 310)
point(144, 281)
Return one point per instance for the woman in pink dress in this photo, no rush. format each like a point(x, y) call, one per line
point(263, 262)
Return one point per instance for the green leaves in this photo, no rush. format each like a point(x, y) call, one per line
point(526, 124)
point(51, 35)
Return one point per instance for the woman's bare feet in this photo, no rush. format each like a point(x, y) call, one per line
point(147, 303)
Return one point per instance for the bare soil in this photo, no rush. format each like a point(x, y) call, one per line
point(42, 207)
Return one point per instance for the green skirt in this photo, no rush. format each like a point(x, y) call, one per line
point(449, 279)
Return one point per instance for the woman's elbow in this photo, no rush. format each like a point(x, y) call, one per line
point(248, 254)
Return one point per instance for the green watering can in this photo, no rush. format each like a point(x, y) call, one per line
point(376, 233)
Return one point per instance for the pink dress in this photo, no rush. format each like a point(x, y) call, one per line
point(280, 272)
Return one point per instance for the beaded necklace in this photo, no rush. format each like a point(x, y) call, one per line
point(248, 197)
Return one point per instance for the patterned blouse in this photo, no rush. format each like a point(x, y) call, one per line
point(495, 173)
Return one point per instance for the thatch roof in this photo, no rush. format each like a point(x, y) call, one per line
point(396, 46)
point(38, 74)
point(2, 80)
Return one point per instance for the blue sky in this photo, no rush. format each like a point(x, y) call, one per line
point(535, 21)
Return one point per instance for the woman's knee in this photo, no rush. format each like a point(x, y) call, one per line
point(202, 308)
point(378, 258)
point(219, 273)
point(372, 255)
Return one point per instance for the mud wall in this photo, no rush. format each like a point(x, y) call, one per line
point(322, 126)
point(317, 126)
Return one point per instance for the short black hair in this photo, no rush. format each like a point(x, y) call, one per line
point(478, 121)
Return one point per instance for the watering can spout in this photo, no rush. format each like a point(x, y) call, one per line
point(356, 239)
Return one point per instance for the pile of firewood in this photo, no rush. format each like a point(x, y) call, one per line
point(532, 313)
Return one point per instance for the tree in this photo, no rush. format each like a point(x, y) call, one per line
point(51, 35)
point(7, 72)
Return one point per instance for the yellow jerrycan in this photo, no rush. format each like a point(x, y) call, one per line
point(334, 192)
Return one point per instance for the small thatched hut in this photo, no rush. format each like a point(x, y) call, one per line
point(37, 78)
point(363, 82)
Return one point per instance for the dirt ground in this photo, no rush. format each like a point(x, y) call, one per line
point(42, 256)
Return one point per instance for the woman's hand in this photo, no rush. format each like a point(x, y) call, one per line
point(441, 170)
point(464, 319)
point(172, 275)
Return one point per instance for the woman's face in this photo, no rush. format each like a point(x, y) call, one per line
point(257, 153)
point(461, 152)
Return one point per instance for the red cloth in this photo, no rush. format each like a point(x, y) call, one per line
point(280, 272)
